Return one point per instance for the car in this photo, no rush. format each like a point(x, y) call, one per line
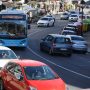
point(78, 43)
point(64, 16)
point(46, 21)
point(6, 54)
point(73, 17)
point(70, 28)
point(68, 32)
point(56, 43)
point(29, 75)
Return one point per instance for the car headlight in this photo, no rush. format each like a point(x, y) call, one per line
point(23, 42)
point(1, 42)
point(33, 88)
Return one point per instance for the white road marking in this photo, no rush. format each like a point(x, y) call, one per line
point(53, 62)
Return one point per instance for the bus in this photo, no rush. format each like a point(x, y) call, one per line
point(13, 28)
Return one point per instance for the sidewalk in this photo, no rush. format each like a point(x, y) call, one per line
point(87, 38)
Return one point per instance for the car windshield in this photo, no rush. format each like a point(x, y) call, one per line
point(39, 73)
point(7, 54)
point(44, 19)
point(78, 38)
point(73, 15)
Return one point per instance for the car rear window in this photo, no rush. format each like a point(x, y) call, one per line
point(61, 40)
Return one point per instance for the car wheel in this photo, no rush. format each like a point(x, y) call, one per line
point(84, 52)
point(1, 85)
point(41, 49)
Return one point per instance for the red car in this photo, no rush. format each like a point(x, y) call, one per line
point(29, 75)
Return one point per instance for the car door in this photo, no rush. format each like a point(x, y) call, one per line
point(49, 42)
point(8, 76)
point(13, 82)
point(18, 79)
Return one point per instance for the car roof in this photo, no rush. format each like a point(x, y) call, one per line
point(28, 62)
point(57, 35)
point(4, 48)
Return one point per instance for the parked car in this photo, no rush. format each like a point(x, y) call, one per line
point(68, 32)
point(55, 43)
point(46, 21)
point(29, 75)
point(64, 16)
point(73, 17)
point(78, 43)
point(6, 54)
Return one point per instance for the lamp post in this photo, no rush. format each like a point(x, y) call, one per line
point(82, 4)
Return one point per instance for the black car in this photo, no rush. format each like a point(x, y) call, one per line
point(55, 43)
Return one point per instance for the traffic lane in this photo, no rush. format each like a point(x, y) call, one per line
point(71, 65)
point(79, 61)
point(77, 64)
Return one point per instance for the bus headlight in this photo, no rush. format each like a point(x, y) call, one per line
point(1, 42)
point(23, 42)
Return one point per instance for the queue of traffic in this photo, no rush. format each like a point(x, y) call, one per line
point(23, 74)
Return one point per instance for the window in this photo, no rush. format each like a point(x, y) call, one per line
point(39, 73)
point(10, 67)
point(49, 38)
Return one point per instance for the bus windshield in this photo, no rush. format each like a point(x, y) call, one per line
point(12, 30)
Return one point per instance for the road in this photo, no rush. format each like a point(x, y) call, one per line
point(74, 70)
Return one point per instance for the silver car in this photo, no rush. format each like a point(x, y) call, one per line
point(64, 16)
point(78, 43)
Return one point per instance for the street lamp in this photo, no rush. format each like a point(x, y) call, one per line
point(82, 5)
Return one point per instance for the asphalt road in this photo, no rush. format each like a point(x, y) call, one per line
point(74, 70)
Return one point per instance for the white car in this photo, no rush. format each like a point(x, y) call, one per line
point(6, 54)
point(73, 17)
point(46, 21)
